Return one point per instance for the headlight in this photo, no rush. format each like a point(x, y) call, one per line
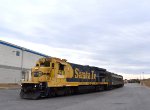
point(37, 74)
point(40, 73)
point(35, 85)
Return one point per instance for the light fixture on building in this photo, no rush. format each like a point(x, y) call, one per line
point(17, 53)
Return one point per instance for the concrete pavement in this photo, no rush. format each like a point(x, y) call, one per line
point(130, 97)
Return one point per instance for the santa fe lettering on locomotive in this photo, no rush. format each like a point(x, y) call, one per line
point(84, 75)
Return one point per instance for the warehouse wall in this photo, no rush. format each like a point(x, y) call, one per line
point(8, 56)
point(13, 59)
point(9, 75)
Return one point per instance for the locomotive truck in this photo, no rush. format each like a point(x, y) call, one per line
point(54, 77)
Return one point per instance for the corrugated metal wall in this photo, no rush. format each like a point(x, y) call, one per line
point(13, 59)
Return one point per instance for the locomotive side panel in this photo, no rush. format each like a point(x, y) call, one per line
point(87, 74)
point(82, 74)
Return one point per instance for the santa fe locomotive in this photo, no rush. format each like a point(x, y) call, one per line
point(53, 77)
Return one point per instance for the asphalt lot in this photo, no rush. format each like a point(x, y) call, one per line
point(130, 97)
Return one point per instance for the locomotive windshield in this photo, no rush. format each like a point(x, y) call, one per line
point(45, 64)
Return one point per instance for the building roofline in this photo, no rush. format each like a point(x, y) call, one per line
point(22, 48)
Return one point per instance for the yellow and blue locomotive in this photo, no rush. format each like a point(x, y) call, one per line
point(53, 77)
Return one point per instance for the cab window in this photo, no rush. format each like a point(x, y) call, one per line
point(45, 64)
point(61, 67)
point(37, 65)
point(53, 65)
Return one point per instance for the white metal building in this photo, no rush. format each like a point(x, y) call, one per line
point(14, 60)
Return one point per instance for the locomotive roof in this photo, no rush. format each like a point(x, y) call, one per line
point(114, 75)
point(87, 66)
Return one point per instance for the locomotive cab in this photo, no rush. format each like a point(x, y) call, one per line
point(42, 71)
point(49, 69)
point(40, 74)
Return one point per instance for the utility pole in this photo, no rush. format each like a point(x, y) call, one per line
point(140, 79)
point(143, 75)
point(22, 56)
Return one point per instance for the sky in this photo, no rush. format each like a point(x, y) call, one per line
point(105, 33)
